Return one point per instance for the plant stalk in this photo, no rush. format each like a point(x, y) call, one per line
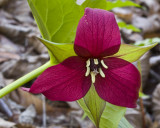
point(142, 112)
point(23, 80)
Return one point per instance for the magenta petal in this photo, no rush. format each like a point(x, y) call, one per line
point(97, 34)
point(121, 84)
point(63, 82)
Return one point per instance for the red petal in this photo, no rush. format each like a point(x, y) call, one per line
point(97, 34)
point(63, 82)
point(121, 83)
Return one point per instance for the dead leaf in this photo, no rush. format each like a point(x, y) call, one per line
point(27, 117)
point(25, 99)
point(3, 2)
point(7, 56)
point(156, 104)
point(6, 124)
point(7, 45)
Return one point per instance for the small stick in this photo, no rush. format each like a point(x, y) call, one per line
point(142, 112)
point(5, 108)
point(44, 111)
point(141, 100)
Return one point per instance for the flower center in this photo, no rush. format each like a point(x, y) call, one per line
point(94, 66)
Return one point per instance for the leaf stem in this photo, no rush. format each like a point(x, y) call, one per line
point(23, 80)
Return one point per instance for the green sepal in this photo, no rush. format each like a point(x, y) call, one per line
point(95, 106)
point(132, 53)
point(102, 113)
point(59, 51)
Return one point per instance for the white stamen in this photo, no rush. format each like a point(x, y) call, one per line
point(88, 71)
point(93, 77)
point(88, 63)
point(96, 61)
point(101, 73)
point(103, 64)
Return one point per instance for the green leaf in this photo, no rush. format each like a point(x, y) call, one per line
point(102, 4)
point(111, 116)
point(147, 41)
point(120, 3)
point(59, 51)
point(122, 25)
point(142, 95)
point(93, 106)
point(124, 123)
point(57, 19)
point(132, 53)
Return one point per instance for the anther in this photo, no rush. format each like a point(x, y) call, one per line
point(103, 64)
point(88, 71)
point(93, 77)
point(88, 63)
point(101, 73)
point(96, 61)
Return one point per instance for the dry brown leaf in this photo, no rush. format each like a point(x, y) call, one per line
point(7, 45)
point(25, 99)
point(134, 116)
point(4, 56)
point(3, 59)
point(145, 67)
point(124, 14)
point(152, 6)
point(9, 55)
point(149, 24)
point(3, 2)
point(6, 124)
point(156, 104)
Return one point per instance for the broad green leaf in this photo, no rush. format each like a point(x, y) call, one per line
point(102, 4)
point(111, 116)
point(122, 24)
point(60, 51)
point(120, 3)
point(132, 53)
point(57, 19)
point(124, 123)
point(93, 106)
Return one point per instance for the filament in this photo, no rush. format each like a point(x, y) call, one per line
point(104, 65)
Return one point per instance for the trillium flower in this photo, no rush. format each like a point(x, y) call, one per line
point(117, 81)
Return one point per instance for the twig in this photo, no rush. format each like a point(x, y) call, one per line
point(5, 108)
point(142, 112)
point(44, 112)
point(141, 100)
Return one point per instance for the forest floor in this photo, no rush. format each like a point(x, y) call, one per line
point(21, 52)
